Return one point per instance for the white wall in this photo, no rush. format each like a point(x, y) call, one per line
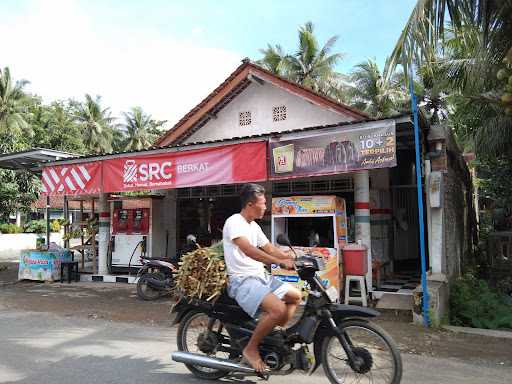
point(12, 244)
point(259, 100)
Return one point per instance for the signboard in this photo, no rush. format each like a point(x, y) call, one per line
point(228, 164)
point(303, 205)
point(73, 179)
point(342, 150)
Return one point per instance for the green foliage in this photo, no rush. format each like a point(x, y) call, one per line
point(138, 127)
point(39, 226)
point(495, 180)
point(375, 94)
point(312, 65)
point(35, 226)
point(473, 303)
point(12, 97)
point(96, 124)
point(10, 228)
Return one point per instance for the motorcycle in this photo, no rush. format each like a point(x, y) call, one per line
point(155, 278)
point(212, 336)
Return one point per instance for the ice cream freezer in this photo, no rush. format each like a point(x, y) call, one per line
point(42, 265)
point(315, 225)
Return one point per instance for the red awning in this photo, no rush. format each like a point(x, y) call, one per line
point(72, 179)
point(228, 164)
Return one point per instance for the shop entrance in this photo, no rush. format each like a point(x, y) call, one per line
point(202, 211)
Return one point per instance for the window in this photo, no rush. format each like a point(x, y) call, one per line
point(279, 113)
point(244, 118)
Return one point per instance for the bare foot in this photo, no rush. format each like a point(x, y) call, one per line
point(254, 359)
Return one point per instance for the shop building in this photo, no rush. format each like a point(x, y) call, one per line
point(258, 127)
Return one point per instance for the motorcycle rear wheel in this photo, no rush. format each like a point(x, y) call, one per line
point(382, 361)
point(144, 290)
point(191, 327)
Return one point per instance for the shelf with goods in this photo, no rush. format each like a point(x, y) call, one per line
point(84, 230)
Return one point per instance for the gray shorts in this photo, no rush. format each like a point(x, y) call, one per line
point(249, 291)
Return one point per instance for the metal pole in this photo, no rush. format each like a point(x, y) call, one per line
point(419, 186)
point(66, 218)
point(47, 213)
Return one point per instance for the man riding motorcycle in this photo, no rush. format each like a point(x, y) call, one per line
point(246, 251)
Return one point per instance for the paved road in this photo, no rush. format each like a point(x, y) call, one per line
point(44, 348)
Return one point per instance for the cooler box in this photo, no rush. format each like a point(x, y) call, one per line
point(355, 260)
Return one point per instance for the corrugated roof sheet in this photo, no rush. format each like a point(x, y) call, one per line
point(230, 140)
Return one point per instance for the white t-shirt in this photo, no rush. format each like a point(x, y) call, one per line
point(237, 262)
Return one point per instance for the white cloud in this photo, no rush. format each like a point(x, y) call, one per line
point(196, 31)
point(64, 54)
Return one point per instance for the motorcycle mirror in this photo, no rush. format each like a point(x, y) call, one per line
point(282, 239)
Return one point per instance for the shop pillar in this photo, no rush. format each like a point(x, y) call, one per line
point(104, 234)
point(170, 221)
point(362, 217)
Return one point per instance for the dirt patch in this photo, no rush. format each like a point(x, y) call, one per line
point(119, 302)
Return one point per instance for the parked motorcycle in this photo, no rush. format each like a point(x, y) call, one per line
point(155, 278)
point(351, 349)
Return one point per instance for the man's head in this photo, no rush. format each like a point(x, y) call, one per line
point(252, 199)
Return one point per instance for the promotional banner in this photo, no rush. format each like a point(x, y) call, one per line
point(74, 179)
point(228, 164)
point(343, 150)
point(303, 204)
point(330, 276)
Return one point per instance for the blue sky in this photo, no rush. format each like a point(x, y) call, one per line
point(167, 55)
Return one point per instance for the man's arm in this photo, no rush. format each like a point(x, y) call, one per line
point(259, 255)
point(271, 249)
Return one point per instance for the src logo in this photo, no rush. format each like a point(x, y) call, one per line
point(142, 172)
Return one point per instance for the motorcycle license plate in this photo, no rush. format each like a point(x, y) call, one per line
point(332, 292)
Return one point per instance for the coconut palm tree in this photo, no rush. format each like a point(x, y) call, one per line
point(96, 124)
point(312, 65)
point(471, 41)
point(426, 30)
point(138, 126)
point(373, 93)
point(273, 59)
point(12, 108)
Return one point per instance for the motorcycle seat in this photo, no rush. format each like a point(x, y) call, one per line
point(224, 299)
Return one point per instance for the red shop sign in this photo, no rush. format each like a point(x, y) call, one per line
point(228, 164)
point(72, 179)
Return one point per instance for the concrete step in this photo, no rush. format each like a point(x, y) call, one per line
point(395, 307)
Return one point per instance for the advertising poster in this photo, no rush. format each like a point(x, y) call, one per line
point(330, 276)
point(342, 150)
point(303, 205)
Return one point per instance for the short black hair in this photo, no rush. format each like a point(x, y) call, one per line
point(250, 192)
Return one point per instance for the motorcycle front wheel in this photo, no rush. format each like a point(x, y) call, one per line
point(144, 290)
point(198, 333)
point(381, 361)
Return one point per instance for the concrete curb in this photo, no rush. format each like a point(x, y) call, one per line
point(7, 283)
point(480, 331)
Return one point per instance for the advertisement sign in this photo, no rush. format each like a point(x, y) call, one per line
point(342, 150)
point(303, 205)
point(74, 179)
point(329, 276)
point(43, 266)
point(210, 166)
